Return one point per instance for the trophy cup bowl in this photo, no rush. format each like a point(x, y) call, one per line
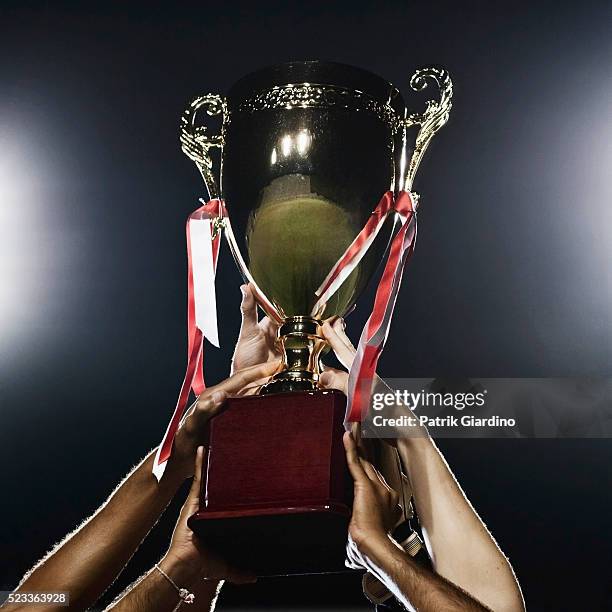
point(307, 149)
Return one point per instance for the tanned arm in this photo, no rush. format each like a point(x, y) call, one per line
point(87, 561)
point(153, 592)
point(187, 563)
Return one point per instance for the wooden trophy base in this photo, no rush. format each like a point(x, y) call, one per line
point(277, 493)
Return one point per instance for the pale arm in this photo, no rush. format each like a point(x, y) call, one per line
point(415, 587)
point(370, 546)
point(461, 546)
point(462, 549)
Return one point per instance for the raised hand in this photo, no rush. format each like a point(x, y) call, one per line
point(257, 339)
point(208, 404)
point(187, 550)
point(333, 331)
point(376, 506)
point(332, 378)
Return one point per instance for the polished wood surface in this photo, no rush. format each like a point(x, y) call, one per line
point(276, 495)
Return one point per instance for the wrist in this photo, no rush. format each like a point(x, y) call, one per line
point(415, 445)
point(172, 478)
point(369, 539)
point(179, 469)
point(381, 551)
point(182, 571)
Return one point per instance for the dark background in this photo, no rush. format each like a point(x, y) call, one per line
point(511, 276)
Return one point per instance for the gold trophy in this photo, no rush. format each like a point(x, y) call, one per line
point(305, 152)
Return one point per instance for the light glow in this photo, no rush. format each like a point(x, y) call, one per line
point(303, 142)
point(27, 253)
point(286, 145)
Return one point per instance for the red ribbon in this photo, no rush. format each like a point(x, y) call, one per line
point(358, 247)
point(211, 210)
point(374, 335)
point(194, 375)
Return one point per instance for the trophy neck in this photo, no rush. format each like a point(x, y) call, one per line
point(301, 343)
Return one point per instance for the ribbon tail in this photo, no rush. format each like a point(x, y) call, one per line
point(202, 255)
point(198, 378)
point(203, 270)
point(165, 448)
point(376, 330)
point(354, 253)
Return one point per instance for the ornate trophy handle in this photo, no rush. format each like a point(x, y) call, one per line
point(434, 117)
point(195, 141)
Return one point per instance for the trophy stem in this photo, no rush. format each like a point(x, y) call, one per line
point(301, 343)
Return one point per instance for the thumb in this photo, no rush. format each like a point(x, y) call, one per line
point(337, 339)
point(248, 311)
point(334, 379)
point(193, 499)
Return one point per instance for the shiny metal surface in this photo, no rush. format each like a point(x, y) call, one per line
point(301, 343)
point(308, 149)
point(196, 142)
point(318, 95)
point(303, 168)
point(435, 115)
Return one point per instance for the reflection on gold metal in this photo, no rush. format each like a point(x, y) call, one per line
point(286, 145)
point(302, 142)
point(217, 226)
point(300, 341)
point(294, 237)
point(434, 117)
point(195, 141)
point(289, 144)
point(311, 95)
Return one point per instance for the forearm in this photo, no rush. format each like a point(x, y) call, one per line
point(463, 550)
point(155, 593)
point(415, 587)
point(88, 560)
